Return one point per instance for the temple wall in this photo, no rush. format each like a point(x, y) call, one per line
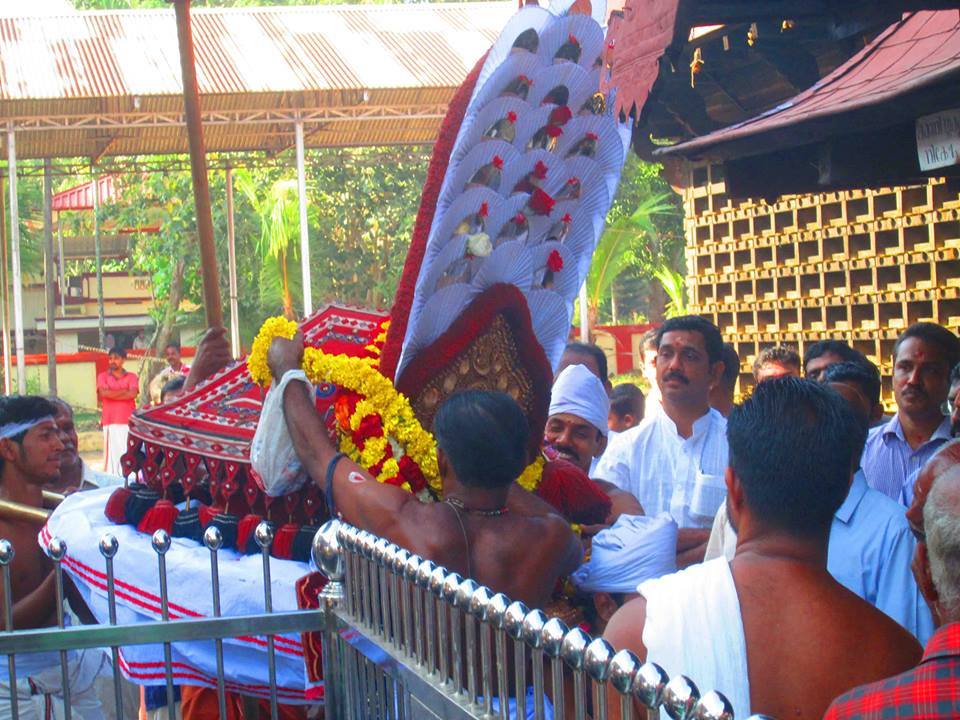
point(858, 265)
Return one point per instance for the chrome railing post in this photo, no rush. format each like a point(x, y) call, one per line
point(328, 555)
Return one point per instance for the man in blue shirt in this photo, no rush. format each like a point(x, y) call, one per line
point(871, 545)
point(922, 359)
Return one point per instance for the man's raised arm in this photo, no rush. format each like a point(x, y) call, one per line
point(384, 510)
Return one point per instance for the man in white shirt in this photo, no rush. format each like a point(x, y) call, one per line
point(674, 461)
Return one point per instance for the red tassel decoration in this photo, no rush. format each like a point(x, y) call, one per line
point(207, 513)
point(161, 516)
point(283, 541)
point(540, 202)
point(246, 526)
point(116, 508)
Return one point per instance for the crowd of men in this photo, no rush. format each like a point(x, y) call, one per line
point(796, 551)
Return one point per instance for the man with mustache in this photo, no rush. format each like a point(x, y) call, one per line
point(674, 460)
point(922, 359)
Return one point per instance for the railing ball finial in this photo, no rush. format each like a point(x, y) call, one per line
point(623, 668)
point(553, 634)
point(680, 696)
point(212, 538)
point(424, 571)
point(410, 568)
point(380, 548)
point(435, 582)
point(597, 658)
point(573, 648)
point(496, 609)
point(56, 549)
point(479, 601)
point(6, 552)
point(713, 706)
point(451, 583)
point(264, 535)
point(648, 685)
point(161, 541)
point(400, 558)
point(513, 619)
point(327, 553)
point(533, 628)
point(465, 591)
point(109, 545)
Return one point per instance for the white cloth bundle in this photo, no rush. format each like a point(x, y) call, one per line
point(80, 522)
point(634, 549)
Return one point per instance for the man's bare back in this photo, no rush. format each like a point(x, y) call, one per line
point(30, 570)
point(827, 639)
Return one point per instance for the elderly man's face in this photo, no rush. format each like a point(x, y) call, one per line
point(770, 370)
point(68, 436)
point(574, 439)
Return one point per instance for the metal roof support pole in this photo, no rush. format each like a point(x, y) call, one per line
point(98, 256)
point(212, 309)
point(51, 309)
point(15, 259)
point(4, 295)
point(584, 314)
point(304, 231)
point(60, 267)
point(232, 268)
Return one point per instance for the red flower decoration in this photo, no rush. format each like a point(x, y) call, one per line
point(524, 79)
point(573, 181)
point(484, 210)
point(566, 218)
point(554, 131)
point(497, 162)
point(512, 116)
point(540, 170)
point(540, 202)
point(410, 472)
point(519, 219)
point(592, 136)
point(395, 480)
point(573, 39)
point(370, 426)
point(560, 115)
point(554, 261)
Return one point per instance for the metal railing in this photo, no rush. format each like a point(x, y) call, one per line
point(401, 638)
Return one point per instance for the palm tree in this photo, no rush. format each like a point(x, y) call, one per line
point(674, 285)
point(621, 246)
point(279, 220)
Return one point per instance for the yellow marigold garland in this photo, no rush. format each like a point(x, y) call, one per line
point(379, 397)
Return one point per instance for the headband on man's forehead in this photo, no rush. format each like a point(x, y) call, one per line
point(13, 429)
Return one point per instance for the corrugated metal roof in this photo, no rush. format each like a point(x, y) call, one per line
point(124, 53)
point(921, 50)
point(118, 67)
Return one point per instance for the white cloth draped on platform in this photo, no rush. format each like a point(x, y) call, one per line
point(80, 522)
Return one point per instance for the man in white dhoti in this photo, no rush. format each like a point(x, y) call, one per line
point(772, 629)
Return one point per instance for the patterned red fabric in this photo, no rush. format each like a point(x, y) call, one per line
point(931, 690)
point(308, 598)
point(214, 424)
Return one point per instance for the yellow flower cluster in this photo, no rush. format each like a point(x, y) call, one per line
point(379, 397)
point(530, 477)
point(257, 362)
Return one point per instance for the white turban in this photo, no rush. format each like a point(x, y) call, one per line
point(634, 549)
point(579, 392)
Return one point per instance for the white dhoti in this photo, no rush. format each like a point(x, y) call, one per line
point(694, 628)
point(114, 446)
point(84, 667)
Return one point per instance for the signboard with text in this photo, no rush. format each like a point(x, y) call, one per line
point(938, 140)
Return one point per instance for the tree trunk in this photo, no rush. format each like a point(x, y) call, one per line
point(173, 304)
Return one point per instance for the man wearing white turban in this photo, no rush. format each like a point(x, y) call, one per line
point(577, 423)
point(576, 430)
